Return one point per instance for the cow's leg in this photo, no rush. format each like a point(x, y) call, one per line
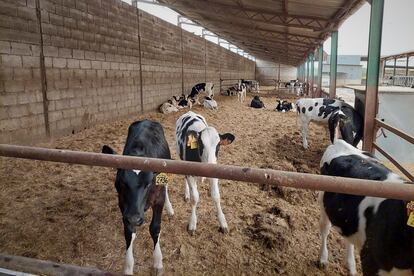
point(215, 195)
point(167, 204)
point(350, 258)
point(186, 189)
point(194, 201)
point(155, 229)
point(129, 256)
point(324, 227)
point(202, 180)
point(305, 126)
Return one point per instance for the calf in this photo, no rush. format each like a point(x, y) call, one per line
point(257, 102)
point(209, 103)
point(241, 93)
point(201, 87)
point(198, 142)
point(184, 102)
point(317, 109)
point(346, 123)
point(377, 226)
point(139, 190)
point(284, 106)
point(167, 108)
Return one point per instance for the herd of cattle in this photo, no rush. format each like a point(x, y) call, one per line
point(376, 226)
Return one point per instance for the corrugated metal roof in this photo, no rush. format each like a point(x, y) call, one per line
point(283, 31)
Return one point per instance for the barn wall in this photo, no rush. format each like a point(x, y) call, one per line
point(92, 65)
point(265, 71)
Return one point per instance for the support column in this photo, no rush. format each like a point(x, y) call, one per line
point(312, 74)
point(374, 55)
point(307, 76)
point(394, 71)
point(141, 92)
point(406, 65)
point(334, 59)
point(320, 67)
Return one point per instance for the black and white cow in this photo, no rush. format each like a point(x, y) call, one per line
point(139, 190)
point(206, 87)
point(315, 109)
point(198, 142)
point(284, 106)
point(251, 85)
point(167, 108)
point(209, 103)
point(257, 102)
point(241, 93)
point(376, 226)
point(184, 102)
point(347, 124)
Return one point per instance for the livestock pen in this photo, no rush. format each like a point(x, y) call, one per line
point(77, 73)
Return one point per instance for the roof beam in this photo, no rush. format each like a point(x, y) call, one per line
point(258, 15)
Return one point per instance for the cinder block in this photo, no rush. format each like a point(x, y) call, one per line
point(22, 74)
point(5, 47)
point(11, 60)
point(79, 54)
point(13, 86)
point(50, 51)
point(31, 61)
point(59, 62)
point(73, 63)
point(85, 64)
point(65, 53)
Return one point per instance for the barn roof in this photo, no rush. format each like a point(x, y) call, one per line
point(283, 31)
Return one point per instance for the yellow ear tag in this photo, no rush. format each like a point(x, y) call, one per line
point(410, 212)
point(161, 179)
point(192, 142)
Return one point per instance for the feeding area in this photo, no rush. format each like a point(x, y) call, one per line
point(130, 145)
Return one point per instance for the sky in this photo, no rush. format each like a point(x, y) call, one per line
point(397, 32)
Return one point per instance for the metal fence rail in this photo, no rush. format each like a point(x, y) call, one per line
point(263, 176)
point(403, 81)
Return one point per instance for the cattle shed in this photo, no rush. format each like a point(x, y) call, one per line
point(75, 73)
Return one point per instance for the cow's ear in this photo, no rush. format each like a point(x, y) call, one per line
point(108, 150)
point(226, 139)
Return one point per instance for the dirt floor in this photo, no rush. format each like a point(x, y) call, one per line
point(69, 213)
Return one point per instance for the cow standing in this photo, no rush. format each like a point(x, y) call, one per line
point(206, 87)
point(198, 142)
point(139, 190)
point(377, 226)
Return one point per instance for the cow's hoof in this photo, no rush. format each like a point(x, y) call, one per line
point(190, 231)
point(321, 265)
point(157, 271)
point(224, 230)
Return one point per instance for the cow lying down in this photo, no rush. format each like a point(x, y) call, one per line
point(284, 106)
point(257, 102)
point(210, 103)
point(376, 226)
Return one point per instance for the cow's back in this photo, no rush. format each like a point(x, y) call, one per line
point(317, 109)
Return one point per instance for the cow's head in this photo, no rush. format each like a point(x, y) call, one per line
point(335, 123)
point(133, 187)
point(204, 146)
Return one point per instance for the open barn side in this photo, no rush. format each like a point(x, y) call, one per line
point(69, 213)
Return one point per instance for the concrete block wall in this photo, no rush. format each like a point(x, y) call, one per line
point(21, 101)
point(92, 62)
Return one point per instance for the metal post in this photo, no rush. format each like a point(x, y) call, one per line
point(334, 60)
point(307, 76)
point(312, 73)
point(374, 52)
point(320, 66)
point(406, 65)
point(394, 71)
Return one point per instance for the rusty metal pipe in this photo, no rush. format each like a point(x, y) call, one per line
point(264, 176)
point(41, 267)
point(396, 131)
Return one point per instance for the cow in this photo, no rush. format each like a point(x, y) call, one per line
point(184, 102)
point(376, 226)
point(241, 93)
point(251, 85)
point(167, 108)
point(257, 102)
point(210, 103)
point(139, 190)
point(284, 106)
point(317, 109)
point(347, 124)
point(198, 142)
point(201, 87)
